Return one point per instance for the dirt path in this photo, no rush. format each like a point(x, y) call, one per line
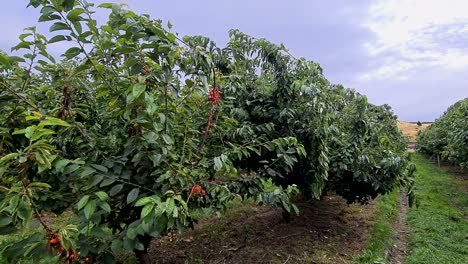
point(326, 232)
point(399, 250)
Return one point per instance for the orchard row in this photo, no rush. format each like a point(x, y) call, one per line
point(136, 128)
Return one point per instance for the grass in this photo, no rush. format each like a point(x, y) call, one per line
point(439, 226)
point(382, 230)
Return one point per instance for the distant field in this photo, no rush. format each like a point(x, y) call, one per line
point(411, 129)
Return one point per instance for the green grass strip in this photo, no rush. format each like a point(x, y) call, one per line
point(382, 230)
point(439, 227)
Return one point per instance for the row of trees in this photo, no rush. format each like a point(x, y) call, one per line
point(447, 137)
point(136, 128)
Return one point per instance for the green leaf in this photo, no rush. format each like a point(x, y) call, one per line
point(147, 210)
point(52, 121)
point(107, 182)
point(218, 164)
point(59, 26)
point(130, 98)
point(47, 10)
point(162, 117)
point(29, 131)
point(44, 18)
point(22, 37)
point(138, 89)
point(95, 179)
point(133, 195)
point(6, 230)
point(170, 206)
point(128, 244)
point(16, 59)
point(24, 212)
point(102, 196)
point(167, 139)
point(70, 169)
point(19, 132)
point(139, 246)
point(74, 15)
point(22, 45)
point(13, 203)
point(116, 246)
point(78, 27)
point(61, 164)
point(29, 118)
point(295, 210)
point(4, 220)
point(116, 189)
point(39, 185)
point(89, 209)
point(39, 133)
point(100, 168)
point(72, 52)
point(57, 38)
point(4, 60)
point(106, 5)
point(7, 158)
point(132, 233)
point(87, 171)
point(144, 201)
point(106, 207)
point(83, 201)
point(68, 5)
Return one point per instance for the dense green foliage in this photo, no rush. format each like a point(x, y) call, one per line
point(447, 137)
point(136, 128)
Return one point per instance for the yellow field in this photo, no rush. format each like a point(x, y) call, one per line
point(410, 129)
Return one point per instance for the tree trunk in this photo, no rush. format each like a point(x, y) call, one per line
point(142, 255)
point(286, 217)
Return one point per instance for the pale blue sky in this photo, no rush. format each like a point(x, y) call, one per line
point(410, 54)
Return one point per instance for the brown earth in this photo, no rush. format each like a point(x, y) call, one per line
point(326, 231)
point(399, 250)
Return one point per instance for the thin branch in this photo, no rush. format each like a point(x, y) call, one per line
point(31, 201)
point(85, 52)
point(210, 117)
point(34, 55)
point(130, 183)
point(22, 98)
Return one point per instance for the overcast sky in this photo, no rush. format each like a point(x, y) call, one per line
point(410, 54)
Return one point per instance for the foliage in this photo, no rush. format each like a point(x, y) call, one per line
point(135, 129)
point(447, 137)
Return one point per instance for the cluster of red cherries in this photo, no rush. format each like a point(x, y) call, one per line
point(54, 243)
point(215, 95)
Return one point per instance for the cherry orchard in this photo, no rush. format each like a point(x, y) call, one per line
point(135, 129)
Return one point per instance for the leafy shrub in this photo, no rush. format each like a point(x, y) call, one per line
point(135, 129)
point(447, 137)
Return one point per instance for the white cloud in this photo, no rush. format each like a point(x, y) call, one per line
point(417, 33)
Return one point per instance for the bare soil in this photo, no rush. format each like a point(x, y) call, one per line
point(327, 231)
point(399, 251)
